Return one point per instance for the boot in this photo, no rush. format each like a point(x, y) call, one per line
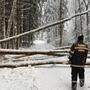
point(82, 82)
point(74, 86)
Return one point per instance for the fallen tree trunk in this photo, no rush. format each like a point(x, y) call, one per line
point(39, 62)
point(28, 52)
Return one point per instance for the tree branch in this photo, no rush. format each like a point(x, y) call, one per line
point(45, 26)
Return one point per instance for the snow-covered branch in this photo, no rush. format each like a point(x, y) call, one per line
point(45, 26)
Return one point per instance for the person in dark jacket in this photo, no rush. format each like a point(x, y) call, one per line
point(77, 58)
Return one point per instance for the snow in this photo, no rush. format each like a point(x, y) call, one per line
point(38, 45)
point(44, 77)
point(41, 45)
point(39, 42)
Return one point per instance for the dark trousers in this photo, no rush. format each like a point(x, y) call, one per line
point(75, 71)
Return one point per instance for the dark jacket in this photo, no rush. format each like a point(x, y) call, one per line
point(78, 52)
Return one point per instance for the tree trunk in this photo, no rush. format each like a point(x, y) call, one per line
point(61, 25)
point(88, 21)
point(81, 32)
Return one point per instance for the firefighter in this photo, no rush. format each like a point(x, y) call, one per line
point(77, 58)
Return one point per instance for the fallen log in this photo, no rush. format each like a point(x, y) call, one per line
point(28, 52)
point(39, 62)
point(31, 52)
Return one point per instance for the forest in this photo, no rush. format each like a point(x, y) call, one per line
point(35, 41)
point(58, 22)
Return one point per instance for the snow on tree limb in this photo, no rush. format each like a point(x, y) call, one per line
point(45, 26)
point(28, 52)
point(31, 52)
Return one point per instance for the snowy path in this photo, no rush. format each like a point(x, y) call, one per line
point(39, 78)
point(54, 78)
point(58, 78)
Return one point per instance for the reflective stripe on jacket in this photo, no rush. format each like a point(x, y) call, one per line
point(79, 53)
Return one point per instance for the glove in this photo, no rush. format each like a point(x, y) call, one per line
point(69, 61)
point(84, 62)
point(70, 56)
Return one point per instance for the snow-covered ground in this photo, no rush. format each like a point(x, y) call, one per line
point(44, 77)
